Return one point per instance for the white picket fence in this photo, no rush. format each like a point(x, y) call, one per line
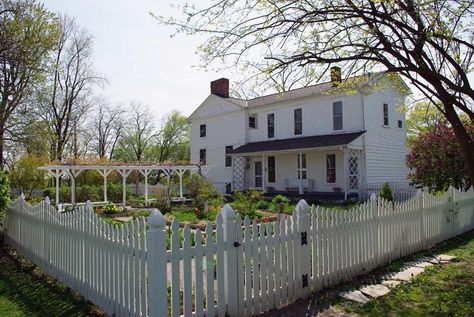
point(237, 267)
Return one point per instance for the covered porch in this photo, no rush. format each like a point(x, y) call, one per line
point(331, 164)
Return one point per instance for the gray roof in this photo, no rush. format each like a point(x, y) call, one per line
point(302, 92)
point(307, 142)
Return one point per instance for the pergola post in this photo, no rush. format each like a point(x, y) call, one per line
point(104, 173)
point(57, 175)
point(145, 173)
point(73, 173)
point(124, 173)
point(180, 173)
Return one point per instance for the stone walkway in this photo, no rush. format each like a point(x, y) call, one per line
point(317, 305)
point(392, 279)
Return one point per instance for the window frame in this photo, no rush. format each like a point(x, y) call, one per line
point(228, 157)
point(254, 117)
point(334, 168)
point(201, 160)
point(201, 130)
point(338, 116)
point(303, 171)
point(271, 128)
point(298, 123)
point(271, 169)
point(386, 120)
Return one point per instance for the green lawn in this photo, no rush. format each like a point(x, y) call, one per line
point(442, 290)
point(24, 291)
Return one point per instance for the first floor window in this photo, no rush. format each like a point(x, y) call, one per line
point(331, 168)
point(271, 169)
point(400, 124)
point(202, 156)
point(228, 188)
point(202, 130)
point(228, 157)
point(301, 166)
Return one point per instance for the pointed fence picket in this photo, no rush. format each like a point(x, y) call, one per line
point(235, 267)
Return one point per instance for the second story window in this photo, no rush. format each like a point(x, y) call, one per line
point(202, 156)
point(202, 130)
point(228, 157)
point(385, 114)
point(271, 125)
point(298, 117)
point(253, 121)
point(337, 115)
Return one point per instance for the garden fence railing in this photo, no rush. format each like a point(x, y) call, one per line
point(235, 267)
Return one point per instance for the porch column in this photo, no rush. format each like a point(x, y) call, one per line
point(264, 175)
point(346, 181)
point(300, 160)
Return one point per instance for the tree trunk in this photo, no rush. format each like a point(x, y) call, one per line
point(464, 139)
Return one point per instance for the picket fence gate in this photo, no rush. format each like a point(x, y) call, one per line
point(236, 267)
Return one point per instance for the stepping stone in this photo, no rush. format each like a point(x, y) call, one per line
point(428, 259)
point(391, 283)
point(355, 296)
point(407, 274)
point(444, 258)
point(375, 291)
point(422, 264)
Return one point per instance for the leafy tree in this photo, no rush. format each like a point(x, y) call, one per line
point(66, 96)
point(428, 43)
point(204, 194)
point(28, 33)
point(435, 159)
point(25, 175)
point(4, 195)
point(422, 117)
point(138, 135)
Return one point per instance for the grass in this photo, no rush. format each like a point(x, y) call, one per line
point(25, 291)
point(442, 290)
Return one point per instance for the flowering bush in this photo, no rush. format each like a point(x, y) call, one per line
point(108, 209)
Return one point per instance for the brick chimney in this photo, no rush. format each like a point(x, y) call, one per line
point(335, 75)
point(220, 87)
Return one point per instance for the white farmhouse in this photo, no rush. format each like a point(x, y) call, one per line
point(320, 139)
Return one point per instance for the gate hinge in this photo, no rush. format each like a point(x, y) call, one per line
point(304, 238)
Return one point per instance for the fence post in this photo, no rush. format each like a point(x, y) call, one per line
point(231, 282)
point(156, 268)
point(374, 210)
point(302, 225)
point(421, 206)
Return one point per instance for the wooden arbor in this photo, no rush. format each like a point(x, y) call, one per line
point(73, 170)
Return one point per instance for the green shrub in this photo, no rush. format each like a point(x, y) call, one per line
point(204, 195)
point(262, 205)
point(4, 195)
point(386, 192)
point(280, 202)
point(108, 209)
point(245, 203)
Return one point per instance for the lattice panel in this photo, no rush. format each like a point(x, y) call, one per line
point(353, 157)
point(238, 181)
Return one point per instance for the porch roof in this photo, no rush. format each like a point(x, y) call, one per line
point(307, 142)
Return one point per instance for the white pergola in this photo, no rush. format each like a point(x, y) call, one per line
point(73, 170)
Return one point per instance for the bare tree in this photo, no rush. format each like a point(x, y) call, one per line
point(138, 134)
point(428, 43)
point(106, 128)
point(27, 35)
point(67, 96)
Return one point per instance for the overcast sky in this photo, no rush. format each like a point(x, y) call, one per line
point(138, 57)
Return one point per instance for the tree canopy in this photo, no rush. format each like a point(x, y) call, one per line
point(429, 43)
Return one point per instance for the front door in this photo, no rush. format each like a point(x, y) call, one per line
point(258, 174)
